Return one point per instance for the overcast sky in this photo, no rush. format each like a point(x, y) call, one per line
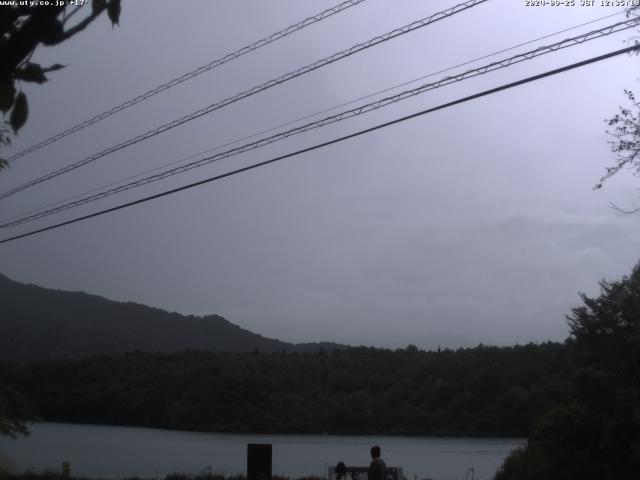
point(473, 224)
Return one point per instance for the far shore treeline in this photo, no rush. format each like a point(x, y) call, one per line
point(577, 402)
point(482, 391)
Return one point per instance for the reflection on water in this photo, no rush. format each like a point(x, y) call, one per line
point(111, 452)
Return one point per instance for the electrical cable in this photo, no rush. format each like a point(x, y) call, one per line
point(333, 141)
point(306, 117)
point(252, 91)
point(504, 63)
point(189, 75)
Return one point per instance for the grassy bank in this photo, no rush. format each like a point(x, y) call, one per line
point(174, 476)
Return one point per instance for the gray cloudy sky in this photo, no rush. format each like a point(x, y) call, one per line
point(473, 224)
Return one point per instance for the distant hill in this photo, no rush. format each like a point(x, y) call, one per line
point(42, 324)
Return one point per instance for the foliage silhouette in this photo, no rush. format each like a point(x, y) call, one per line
point(22, 29)
point(595, 432)
point(483, 391)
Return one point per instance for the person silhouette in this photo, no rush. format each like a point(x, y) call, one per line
point(377, 467)
point(341, 472)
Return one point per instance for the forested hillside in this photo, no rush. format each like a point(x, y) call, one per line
point(39, 324)
point(594, 433)
point(481, 391)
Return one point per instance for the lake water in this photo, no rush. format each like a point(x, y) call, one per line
point(114, 452)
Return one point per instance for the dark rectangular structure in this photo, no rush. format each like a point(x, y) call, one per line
point(259, 461)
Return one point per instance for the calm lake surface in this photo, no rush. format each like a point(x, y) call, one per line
point(113, 452)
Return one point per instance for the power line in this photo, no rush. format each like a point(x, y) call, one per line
point(331, 142)
point(306, 117)
point(335, 118)
point(500, 64)
point(252, 91)
point(192, 74)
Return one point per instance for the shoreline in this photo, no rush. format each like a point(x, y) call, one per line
point(51, 475)
point(283, 434)
point(132, 452)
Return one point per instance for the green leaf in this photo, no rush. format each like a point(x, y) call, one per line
point(98, 5)
point(54, 67)
point(113, 10)
point(51, 31)
point(31, 72)
point(5, 139)
point(7, 95)
point(19, 113)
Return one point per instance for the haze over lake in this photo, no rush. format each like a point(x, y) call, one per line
point(108, 451)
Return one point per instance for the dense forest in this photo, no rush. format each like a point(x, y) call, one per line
point(577, 402)
point(480, 391)
point(45, 324)
point(594, 433)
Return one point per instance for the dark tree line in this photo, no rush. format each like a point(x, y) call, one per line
point(578, 402)
point(595, 432)
point(483, 391)
point(15, 411)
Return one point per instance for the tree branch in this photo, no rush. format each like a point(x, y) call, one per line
point(81, 26)
point(32, 32)
point(73, 12)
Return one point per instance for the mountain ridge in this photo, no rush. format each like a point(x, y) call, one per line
point(41, 323)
